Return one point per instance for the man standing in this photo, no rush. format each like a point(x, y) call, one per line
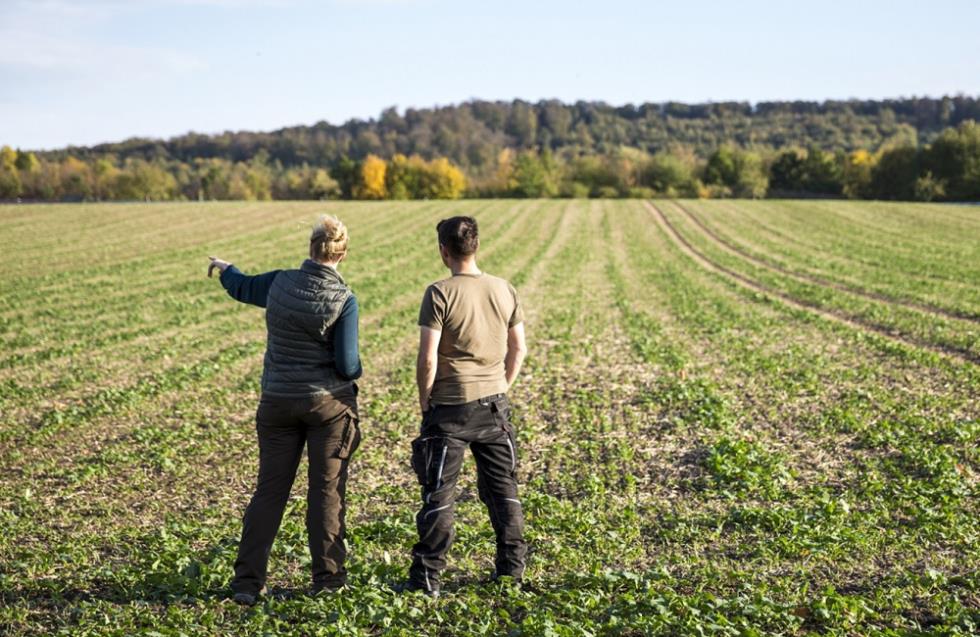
point(470, 351)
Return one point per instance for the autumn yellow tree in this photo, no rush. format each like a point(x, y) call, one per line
point(76, 179)
point(444, 180)
point(10, 185)
point(504, 175)
point(371, 184)
point(105, 171)
point(414, 178)
point(858, 167)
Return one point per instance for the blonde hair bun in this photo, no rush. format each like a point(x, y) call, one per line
point(329, 238)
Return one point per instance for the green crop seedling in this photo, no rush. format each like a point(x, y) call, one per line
point(736, 418)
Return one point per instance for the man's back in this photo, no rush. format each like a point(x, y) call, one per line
point(471, 347)
point(474, 313)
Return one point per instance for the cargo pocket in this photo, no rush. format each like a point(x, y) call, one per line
point(422, 457)
point(429, 460)
point(419, 461)
point(350, 439)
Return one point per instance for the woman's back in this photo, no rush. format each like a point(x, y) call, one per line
point(302, 310)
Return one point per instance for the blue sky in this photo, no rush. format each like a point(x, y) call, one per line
point(83, 72)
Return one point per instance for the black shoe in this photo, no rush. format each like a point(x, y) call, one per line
point(497, 577)
point(326, 589)
point(432, 590)
point(508, 580)
point(245, 599)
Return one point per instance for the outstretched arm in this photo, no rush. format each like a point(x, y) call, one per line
point(253, 290)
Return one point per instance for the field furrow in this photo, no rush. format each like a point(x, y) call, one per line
point(735, 418)
point(734, 248)
point(806, 238)
point(960, 349)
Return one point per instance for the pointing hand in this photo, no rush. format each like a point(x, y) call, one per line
point(221, 264)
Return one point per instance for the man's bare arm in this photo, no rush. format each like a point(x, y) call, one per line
point(425, 368)
point(516, 351)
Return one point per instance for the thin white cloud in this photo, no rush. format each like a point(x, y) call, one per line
point(43, 11)
point(54, 9)
point(34, 51)
point(49, 36)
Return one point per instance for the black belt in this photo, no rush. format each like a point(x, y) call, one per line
point(486, 400)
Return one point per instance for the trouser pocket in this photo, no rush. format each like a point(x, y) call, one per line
point(429, 460)
point(422, 451)
point(500, 412)
point(350, 438)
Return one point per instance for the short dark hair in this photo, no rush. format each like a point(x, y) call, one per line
point(459, 235)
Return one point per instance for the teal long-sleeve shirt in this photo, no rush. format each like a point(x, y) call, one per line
point(254, 290)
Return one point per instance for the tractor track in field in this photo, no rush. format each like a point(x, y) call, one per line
point(735, 249)
point(789, 239)
point(699, 257)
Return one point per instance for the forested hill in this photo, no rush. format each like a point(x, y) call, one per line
point(924, 149)
point(472, 134)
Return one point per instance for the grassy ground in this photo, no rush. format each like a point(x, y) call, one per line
point(737, 418)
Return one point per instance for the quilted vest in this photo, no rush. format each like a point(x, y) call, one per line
point(302, 308)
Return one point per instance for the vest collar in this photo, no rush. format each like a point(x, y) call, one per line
point(321, 271)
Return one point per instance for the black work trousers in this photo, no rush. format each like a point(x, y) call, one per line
point(437, 455)
point(328, 426)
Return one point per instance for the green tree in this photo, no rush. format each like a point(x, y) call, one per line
point(954, 161)
point(895, 174)
point(823, 172)
point(928, 188)
point(140, 180)
point(322, 186)
point(723, 167)
point(403, 179)
point(739, 172)
point(27, 162)
point(347, 173)
point(596, 173)
point(536, 175)
point(258, 177)
point(788, 172)
point(670, 176)
point(522, 124)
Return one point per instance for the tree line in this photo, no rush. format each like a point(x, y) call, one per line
point(921, 149)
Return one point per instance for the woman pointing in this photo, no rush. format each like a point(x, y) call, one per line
point(309, 399)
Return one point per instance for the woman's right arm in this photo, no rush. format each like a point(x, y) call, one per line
point(253, 290)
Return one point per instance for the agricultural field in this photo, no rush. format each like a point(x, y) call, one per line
point(736, 418)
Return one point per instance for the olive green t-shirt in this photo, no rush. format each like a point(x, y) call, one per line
point(474, 313)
